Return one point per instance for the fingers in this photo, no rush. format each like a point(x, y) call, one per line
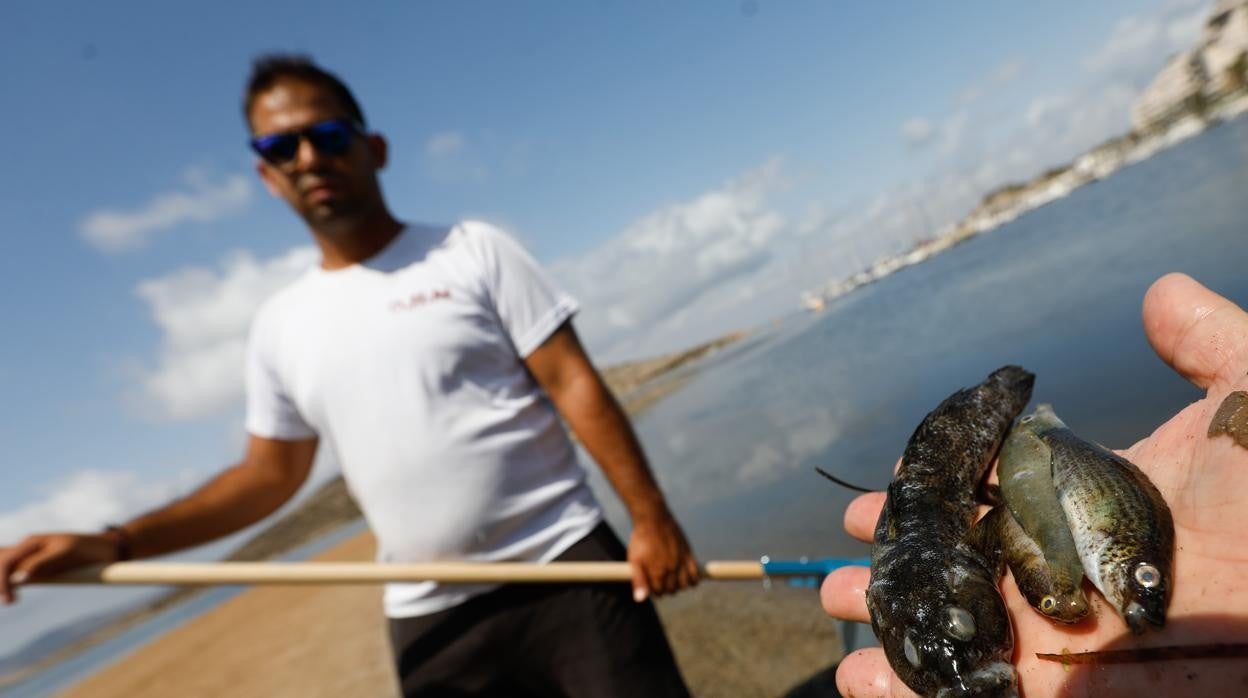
point(1201, 335)
point(680, 571)
point(865, 673)
point(689, 575)
point(844, 594)
point(861, 515)
point(12, 569)
point(49, 560)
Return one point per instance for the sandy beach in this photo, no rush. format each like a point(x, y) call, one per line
point(731, 639)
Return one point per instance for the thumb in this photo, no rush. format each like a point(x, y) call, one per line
point(1200, 334)
point(641, 587)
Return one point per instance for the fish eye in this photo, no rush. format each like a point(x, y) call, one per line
point(1147, 575)
point(960, 624)
point(1027, 419)
point(1048, 603)
point(912, 652)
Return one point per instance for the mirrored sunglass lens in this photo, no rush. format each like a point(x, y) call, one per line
point(277, 148)
point(331, 137)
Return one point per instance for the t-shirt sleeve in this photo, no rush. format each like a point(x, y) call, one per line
point(529, 304)
point(271, 414)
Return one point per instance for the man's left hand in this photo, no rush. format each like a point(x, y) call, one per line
point(662, 561)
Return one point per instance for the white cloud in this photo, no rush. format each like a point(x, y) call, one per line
point(653, 270)
point(1140, 45)
point(449, 157)
point(445, 144)
point(114, 231)
point(953, 131)
point(997, 79)
point(204, 315)
point(918, 132)
point(89, 499)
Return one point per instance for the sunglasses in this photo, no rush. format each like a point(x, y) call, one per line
point(331, 138)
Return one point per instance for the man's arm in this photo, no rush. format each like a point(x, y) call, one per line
point(269, 474)
point(660, 555)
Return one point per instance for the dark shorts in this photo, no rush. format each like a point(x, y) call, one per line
point(541, 640)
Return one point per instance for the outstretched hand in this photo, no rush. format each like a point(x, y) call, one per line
point(46, 555)
point(1204, 337)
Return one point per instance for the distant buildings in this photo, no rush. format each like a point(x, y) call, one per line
point(1196, 88)
point(1214, 69)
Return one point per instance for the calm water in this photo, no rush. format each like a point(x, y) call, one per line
point(70, 671)
point(1058, 292)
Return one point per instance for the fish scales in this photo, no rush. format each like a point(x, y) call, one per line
point(1121, 525)
point(1051, 582)
point(932, 597)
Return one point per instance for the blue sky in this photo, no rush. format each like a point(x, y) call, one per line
point(684, 168)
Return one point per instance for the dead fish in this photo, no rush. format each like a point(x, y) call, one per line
point(1037, 542)
point(1004, 542)
point(932, 597)
point(1121, 525)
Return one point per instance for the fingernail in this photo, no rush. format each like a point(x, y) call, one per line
point(639, 595)
point(19, 577)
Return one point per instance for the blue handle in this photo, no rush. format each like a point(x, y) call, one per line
point(805, 572)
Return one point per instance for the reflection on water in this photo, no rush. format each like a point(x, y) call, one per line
point(1057, 291)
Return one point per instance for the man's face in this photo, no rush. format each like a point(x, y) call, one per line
point(332, 193)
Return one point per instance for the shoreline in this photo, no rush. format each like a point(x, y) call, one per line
point(730, 639)
point(637, 385)
point(1008, 202)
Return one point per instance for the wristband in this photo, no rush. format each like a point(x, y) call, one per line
point(121, 541)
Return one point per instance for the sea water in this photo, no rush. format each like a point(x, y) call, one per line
point(1057, 291)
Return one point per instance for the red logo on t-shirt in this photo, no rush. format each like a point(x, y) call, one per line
point(420, 298)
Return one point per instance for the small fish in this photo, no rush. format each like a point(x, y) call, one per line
point(1121, 525)
point(1000, 538)
point(932, 597)
point(1039, 548)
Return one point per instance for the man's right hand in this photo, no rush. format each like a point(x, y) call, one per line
point(49, 554)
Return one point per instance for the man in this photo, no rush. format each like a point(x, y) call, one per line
point(435, 363)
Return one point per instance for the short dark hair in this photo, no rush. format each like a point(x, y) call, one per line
point(267, 69)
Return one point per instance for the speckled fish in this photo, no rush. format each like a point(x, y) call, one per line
point(933, 598)
point(1037, 542)
point(1121, 525)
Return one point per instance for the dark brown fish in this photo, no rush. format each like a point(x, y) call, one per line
point(933, 597)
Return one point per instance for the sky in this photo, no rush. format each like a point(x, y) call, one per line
point(684, 168)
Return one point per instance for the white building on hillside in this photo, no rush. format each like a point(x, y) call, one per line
point(1226, 40)
point(1213, 68)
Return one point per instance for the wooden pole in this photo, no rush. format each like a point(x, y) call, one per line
point(210, 573)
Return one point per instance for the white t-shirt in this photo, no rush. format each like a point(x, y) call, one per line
point(409, 367)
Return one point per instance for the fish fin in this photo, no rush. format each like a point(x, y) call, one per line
point(841, 482)
point(985, 539)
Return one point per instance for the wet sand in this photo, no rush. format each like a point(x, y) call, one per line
point(730, 638)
